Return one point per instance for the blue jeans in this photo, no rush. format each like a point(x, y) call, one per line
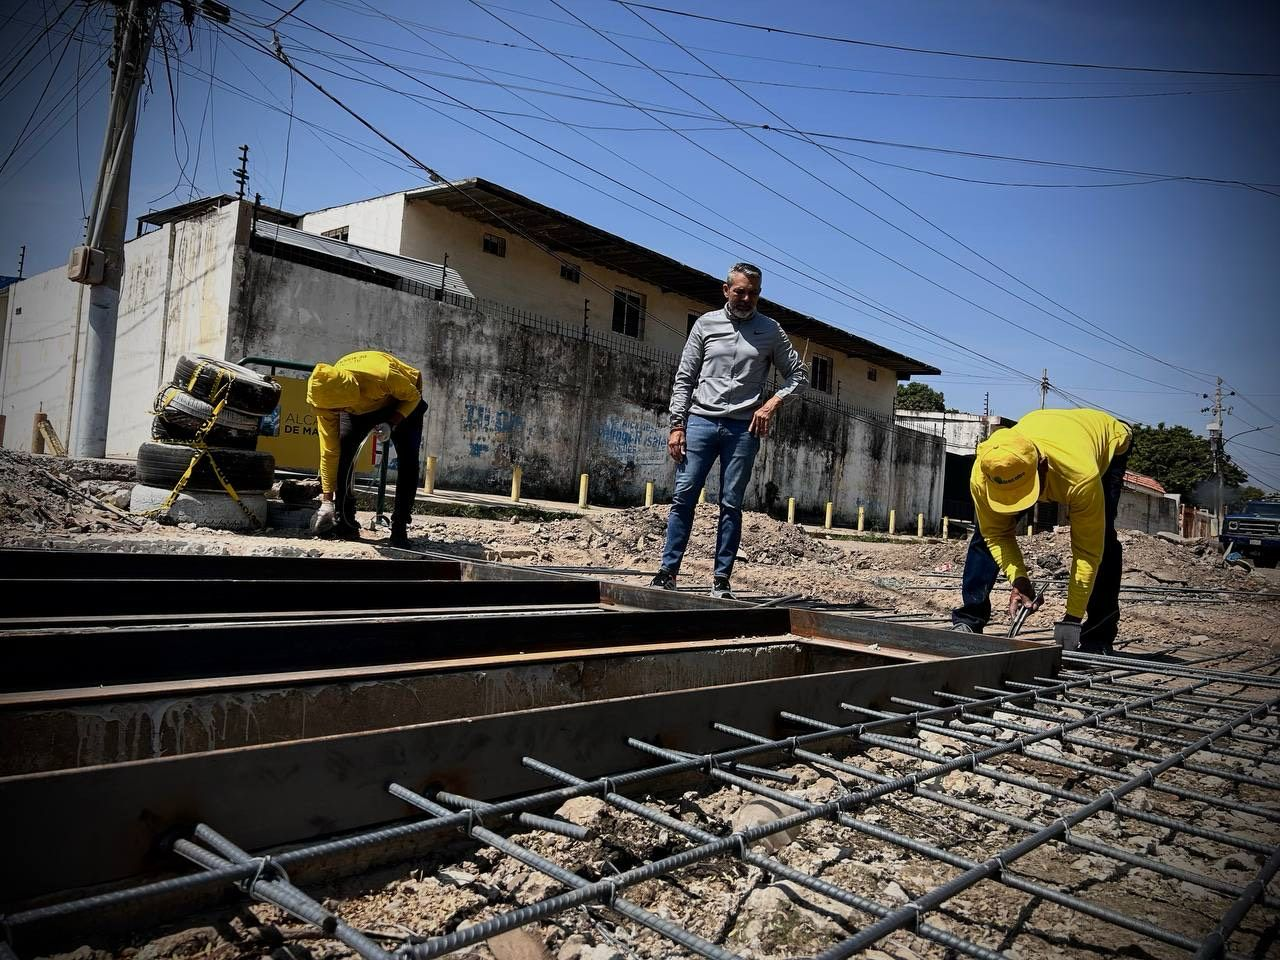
point(1103, 610)
point(707, 438)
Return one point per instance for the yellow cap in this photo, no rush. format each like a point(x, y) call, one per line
point(332, 388)
point(1010, 465)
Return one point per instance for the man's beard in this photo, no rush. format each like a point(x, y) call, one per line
point(738, 314)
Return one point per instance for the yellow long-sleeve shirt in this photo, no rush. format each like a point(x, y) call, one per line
point(1079, 446)
point(358, 383)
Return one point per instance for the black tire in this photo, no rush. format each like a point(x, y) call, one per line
point(179, 428)
point(163, 464)
point(176, 405)
point(247, 390)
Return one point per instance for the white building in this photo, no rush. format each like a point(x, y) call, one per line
point(512, 375)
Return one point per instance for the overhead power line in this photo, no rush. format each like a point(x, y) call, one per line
point(853, 41)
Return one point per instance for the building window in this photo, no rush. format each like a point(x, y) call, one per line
point(570, 272)
point(338, 233)
point(495, 245)
point(693, 318)
point(820, 375)
point(871, 373)
point(628, 313)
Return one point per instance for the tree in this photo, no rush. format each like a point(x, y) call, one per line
point(920, 396)
point(1181, 461)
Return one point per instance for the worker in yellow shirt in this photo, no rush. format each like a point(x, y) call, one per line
point(364, 392)
point(1074, 457)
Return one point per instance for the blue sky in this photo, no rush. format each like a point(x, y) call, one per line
point(1154, 285)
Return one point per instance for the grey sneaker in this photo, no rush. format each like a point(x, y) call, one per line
point(961, 628)
point(663, 580)
point(721, 589)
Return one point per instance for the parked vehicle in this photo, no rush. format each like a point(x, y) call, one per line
point(1254, 531)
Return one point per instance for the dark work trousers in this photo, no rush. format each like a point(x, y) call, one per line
point(1103, 610)
point(406, 437)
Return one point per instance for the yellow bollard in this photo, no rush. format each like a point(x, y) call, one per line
point(429, 482)
point(702, 495)
point(944, 528)
point(830, 507)
point(862, 518)
point(517, 474)
point(648, 494)
point(791, 509)
point(1030, 530)
point(582, 490)
point(919, 524)
point(893, 519)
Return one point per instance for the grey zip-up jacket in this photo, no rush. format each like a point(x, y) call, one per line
point(724, 369)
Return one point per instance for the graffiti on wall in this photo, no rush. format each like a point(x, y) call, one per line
point(490, 429)
point(633, 441)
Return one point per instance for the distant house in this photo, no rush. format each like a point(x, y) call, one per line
point(962, 433)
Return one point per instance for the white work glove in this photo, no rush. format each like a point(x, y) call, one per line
point(1067, 634)
point(326, 517)
point(383, 432)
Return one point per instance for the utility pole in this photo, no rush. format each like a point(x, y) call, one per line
point(1216, 443)
point(100, 263)
point(1044, 387)
point(241, 174)
point(22, 260)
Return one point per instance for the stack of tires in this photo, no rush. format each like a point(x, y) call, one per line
point(181, 429)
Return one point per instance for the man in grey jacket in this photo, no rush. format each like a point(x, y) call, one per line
point(718, 410)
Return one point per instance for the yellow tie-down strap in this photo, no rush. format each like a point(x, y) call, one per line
point(218, 396)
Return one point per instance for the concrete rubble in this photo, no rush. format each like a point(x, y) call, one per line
point(741, 907)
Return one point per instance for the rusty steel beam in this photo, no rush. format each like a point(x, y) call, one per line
point(37, 660)
point(89, 597)
point(64, 564)
point(115, 822)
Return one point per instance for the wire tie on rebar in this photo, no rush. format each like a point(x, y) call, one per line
point(742, 845)
point(1066, 828)
point(474, 819)
point(999, 861)
point(265, 864)
point(916, 908)
point(611, 893)
point(793, 744)
point(609, 786)
point(712, 763)
point(1112, 797)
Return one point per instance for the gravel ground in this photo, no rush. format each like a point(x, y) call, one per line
point(747, 910)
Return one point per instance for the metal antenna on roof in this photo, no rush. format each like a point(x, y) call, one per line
point(241, 174)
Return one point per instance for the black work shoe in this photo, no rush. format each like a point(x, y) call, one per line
point(721, 589)
point(663, 580)
point(399, 535)
point(344, 530)
point(961, 628)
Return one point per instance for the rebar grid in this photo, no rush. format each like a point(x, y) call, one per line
point(981, 741)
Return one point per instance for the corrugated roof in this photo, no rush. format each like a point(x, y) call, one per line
point(420, 271)
point(1142, 480)
point(499, 207)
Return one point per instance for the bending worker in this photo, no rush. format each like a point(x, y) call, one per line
point(1074, 457)
point(718, 410)
point(363, 392)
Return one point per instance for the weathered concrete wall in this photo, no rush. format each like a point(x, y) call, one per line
point(1148, 512)
point(502, 393)
point(529, 280)
point(40, 354)
point(174, 298)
